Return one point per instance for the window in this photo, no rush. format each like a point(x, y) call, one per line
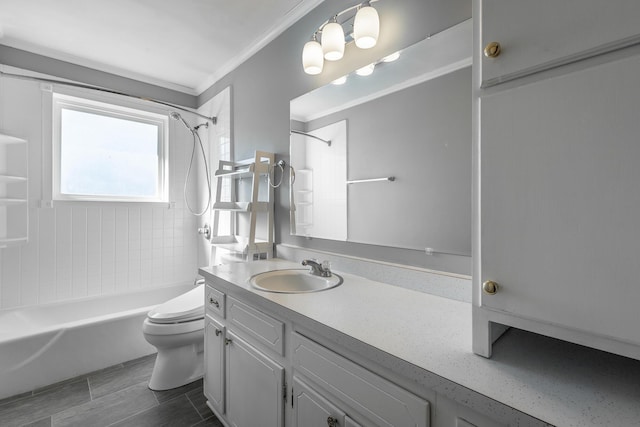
point(106, 152)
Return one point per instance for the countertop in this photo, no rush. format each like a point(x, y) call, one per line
point(558, 382)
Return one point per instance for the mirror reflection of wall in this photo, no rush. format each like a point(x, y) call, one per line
point(411, 120)
point(319, 195)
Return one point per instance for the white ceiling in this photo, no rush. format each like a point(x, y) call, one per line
point(184, 45)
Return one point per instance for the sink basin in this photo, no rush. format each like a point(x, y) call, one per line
point(293, 281)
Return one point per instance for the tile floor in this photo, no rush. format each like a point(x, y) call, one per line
point(114, 396)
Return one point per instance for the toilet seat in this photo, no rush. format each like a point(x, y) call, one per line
point(184, 308)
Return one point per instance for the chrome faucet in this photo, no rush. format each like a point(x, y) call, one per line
point(323, 270)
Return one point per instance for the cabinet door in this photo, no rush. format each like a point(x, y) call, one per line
point(540, 34)
point(560, 196)
point(214, 363)
point(312, 410)
point(254, 386)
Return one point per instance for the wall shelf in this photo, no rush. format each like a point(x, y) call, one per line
point(14, 197)
point(246, 211)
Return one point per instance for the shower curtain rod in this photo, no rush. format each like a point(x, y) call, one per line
point(328, 142)
point(212, 119)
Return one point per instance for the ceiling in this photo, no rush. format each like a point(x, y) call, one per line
point(184, 45)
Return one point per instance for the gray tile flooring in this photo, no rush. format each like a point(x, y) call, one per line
point(114, 396)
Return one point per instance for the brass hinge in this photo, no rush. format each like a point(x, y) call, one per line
point(284, 391)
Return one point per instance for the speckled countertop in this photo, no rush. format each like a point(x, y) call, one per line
point(560, 383)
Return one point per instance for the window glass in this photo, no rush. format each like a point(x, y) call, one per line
point(107, 152)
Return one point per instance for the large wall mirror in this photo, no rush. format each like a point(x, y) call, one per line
point(385, 159)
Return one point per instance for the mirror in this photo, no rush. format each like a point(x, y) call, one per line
point(385, 159)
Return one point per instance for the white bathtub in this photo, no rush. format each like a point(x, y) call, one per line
point(45, 344)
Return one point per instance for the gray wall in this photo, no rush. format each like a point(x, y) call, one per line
point(264, 85)
point(421, 135)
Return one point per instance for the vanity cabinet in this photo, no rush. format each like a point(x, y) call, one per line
point(254, 386)
point(214, 363)
point(242, 384)
point(556, 158)
point(310, 409)
point(364, 395)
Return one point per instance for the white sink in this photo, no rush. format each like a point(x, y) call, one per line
point(293, 281)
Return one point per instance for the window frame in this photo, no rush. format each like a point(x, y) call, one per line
point(112, 110)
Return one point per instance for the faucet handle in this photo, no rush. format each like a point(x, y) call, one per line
point(326, 265)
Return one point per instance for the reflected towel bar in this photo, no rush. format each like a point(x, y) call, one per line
point(358, 181)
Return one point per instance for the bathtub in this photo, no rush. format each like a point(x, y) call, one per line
point(44, 344)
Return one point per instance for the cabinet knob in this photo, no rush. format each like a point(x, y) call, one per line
point(218, 332)
point(492, 50)
point(227, 341)
point(214, 302)
point(332, 422)
point(490, 287)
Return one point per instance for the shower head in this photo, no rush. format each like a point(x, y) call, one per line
point(177, 116)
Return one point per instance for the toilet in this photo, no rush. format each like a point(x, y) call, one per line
point(176, 329)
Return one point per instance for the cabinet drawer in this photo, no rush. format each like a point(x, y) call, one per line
point(261, 328)
point(381, 402)
point(214, 301)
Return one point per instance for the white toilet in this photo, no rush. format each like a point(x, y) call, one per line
point(176, 329)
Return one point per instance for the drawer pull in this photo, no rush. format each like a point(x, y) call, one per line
point(490, 287)
point(492, 50)
point(227, 341)
point(214, 302)
point(218, 332)
point(332, 422)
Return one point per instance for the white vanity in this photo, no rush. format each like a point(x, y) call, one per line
point(368, 353)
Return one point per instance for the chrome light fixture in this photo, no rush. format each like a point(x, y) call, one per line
point(366, 29)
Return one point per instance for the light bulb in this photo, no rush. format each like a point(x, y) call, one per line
point(333, 41)
point(312, 60)
point(366, 70)
point(366, 27)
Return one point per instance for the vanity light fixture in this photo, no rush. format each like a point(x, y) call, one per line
point(333, 40)
point(312, 59)
point(366, 29)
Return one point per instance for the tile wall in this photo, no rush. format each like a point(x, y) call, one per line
point(77, 250)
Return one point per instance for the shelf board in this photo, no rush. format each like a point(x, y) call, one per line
point(8, 139)
point(11, 202)
point(241, 206)
point(6, 242)
point(238, 244)
point(9, 179)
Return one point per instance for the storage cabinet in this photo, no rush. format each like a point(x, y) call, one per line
point(361, 393)
point(242, 384)
point(214, 363)
point(543, 34)
point(310, 409)
point(558, 195)
point(14, 197)
point(254, 386)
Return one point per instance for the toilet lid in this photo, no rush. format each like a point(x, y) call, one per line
point(183, 308)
